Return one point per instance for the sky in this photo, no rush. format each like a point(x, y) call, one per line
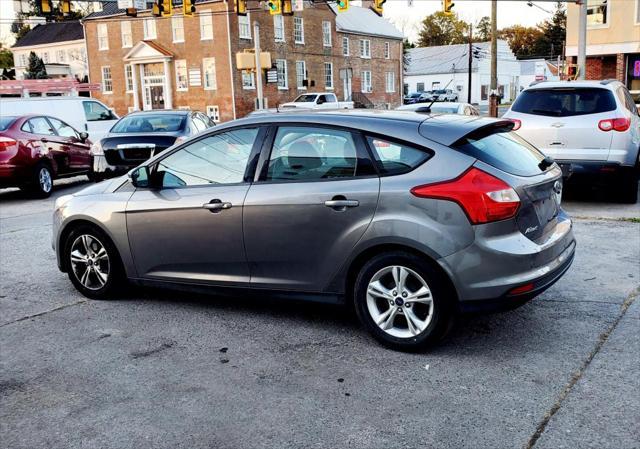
point(406, 18)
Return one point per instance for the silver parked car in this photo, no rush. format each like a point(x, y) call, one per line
point(411, 218)
point(591, 128)
point(442, 108)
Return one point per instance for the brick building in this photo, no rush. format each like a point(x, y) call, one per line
point(152, 62)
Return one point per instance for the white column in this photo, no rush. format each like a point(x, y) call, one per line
point(134, 77)
point(144, 103)
point(168, 104)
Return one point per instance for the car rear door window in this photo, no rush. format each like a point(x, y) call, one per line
point(218, 159)
point(565, 102)
point(40, 125)
point(63, 129)
point(395, 158)
point(303, 153)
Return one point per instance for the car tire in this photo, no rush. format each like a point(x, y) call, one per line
point(409, 320)
point(41, 183)
point(93, 263)
point(629, 187)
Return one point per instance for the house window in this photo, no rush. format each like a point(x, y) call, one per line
point(390, 81)
point(298, 30)
point(345, 46)
point(45, 57)
point(206, 25)
point(128, 77)
point(107, 81)
point(125, 33)
point(149, 26)
point(244, 27)
point(301, 74)
point(420, 87)
point(248, 80)
point(597, 13)
point(61, 56)
point(326, 33)
point(278, 28)
point(177, 28)
point(328, 75)
point(209, 69)
point(214, 113)
point(366, 82)
point(637, 12)
point(22, 60)
point(365, 48)
point(182, 79)
point(281, 68)
point(387, 50)
point(103, 38)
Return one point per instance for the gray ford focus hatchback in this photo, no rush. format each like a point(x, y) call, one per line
point(411, 218)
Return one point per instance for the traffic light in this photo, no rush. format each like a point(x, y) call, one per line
point(162, 8)
point(287, 8)
point(45, 6)
point(377, 6)
point(446, 7)
point(241, 7)
point(65, 7)
point(274, 7)
point(131, 12)
point(188, 8)
point(343, 5)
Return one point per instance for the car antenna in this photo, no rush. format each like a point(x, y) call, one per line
point(427, 109)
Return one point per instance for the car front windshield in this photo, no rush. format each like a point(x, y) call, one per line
point(305, 99)
point(151, 123)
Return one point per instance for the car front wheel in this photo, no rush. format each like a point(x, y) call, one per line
point(41, 183)
point(402, 301)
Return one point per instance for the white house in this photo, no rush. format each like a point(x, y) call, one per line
point(532, 70)
point(431, 68)
point(60, 45)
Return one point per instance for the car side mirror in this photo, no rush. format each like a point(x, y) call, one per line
point(140, 177)
point(83, 136)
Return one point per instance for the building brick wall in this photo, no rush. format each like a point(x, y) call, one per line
point(229, 78)
point(601, 67)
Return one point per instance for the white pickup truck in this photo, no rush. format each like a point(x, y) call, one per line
point(318, 100)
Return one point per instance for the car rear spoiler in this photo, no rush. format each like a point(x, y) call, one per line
point(450, 130)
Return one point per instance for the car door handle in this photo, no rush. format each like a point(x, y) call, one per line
point(44, 140)
point(217, 205)
point(342, 203)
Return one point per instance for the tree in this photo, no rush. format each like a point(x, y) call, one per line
point(523, 41)
point(35, 68)
point(20, 27)
point(483, 30)
point(553, 32)
point(442, 29)
point(6, 59)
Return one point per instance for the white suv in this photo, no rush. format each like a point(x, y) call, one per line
point(588, 127)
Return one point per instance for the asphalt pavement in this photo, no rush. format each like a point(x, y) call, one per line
point(164, 369)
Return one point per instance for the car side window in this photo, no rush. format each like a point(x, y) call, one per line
point(396, 158)
point(218, 159)
point(630, 104)
point(39, 125)
point(63, 129)
point(303, 153)
point(94, 111)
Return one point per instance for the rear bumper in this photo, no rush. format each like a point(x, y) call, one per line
point(13, 175)
point(100, 166)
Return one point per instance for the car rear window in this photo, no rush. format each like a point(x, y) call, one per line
point(5, 122)
point(565, 102)
point(502, 149)
point(150, 123)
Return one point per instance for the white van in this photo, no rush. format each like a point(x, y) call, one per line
point(83, 113)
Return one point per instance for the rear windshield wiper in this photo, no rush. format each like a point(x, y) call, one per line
point(546, 163)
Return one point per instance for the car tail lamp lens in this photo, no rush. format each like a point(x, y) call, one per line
point(615, 124)
point(516, 123)
point(522, 289)
point(6, 142)
point(483, 197)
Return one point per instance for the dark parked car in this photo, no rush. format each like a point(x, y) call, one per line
point(36, 149)
point(141, 135)
point(409, 217)
point(412, 98)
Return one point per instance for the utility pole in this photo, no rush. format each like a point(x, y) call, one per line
point(493, 96)
point(470, 71)
point(256, 34)
point(582, 40)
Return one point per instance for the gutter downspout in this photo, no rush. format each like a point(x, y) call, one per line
point(233, 90)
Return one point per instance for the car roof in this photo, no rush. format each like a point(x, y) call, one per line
point(441, 128)
point(607, 84)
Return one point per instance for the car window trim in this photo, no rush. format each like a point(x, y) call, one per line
point(263, 163)
point(378, 164)
point(251, 161)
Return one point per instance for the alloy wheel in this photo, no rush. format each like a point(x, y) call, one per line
point(44, 178)
point(399, 301)
point(90, 262)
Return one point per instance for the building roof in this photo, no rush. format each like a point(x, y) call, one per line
point(359, 20)
point(111, 9)
point(452, 58)
point(50, 33)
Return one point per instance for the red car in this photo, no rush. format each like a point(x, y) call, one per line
point(36, 149)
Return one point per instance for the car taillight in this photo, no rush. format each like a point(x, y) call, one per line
point(516, 123)
point(6, 142)
point(615, 124)
point(483, 197)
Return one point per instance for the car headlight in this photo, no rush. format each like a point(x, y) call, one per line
point(96, 149)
